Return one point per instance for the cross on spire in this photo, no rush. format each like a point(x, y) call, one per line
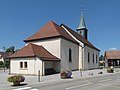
point(82, 26)
point(82, 21)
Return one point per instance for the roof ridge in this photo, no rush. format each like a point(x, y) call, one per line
point(32, 45)
point(54, 24)
point(74, 32)
point(58, 28)
point(82, 39)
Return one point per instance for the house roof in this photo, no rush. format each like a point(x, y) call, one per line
point(79, 37)
point(32, 50)
point(51, 29)
point(5, 54)
point(112, 54)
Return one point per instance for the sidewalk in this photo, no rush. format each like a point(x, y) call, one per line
point(30, 80)
point(33, 80)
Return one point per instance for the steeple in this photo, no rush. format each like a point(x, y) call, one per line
point(82, 27)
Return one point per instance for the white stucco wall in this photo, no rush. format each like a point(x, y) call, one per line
point(52, 45)
point(39, 65)
point(33, 65)
point(65, 64)
point(91, 51)
point(2, 59)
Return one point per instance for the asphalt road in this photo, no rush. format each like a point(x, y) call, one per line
point(107, 82)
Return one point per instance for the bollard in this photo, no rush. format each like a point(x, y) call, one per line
point(38, 75)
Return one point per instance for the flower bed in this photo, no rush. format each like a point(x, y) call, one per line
point(16, 79)
point(110, 69)
point(67, 74)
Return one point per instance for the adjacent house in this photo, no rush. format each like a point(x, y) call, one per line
point(112, 58)
point(2, 56)
point(55, 48)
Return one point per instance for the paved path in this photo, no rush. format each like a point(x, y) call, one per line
point(107, 82)
point(33, 80)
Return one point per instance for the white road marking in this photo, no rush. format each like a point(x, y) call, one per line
point(105, 80)
point(118, 77)
point(22, 88)
point(79, 86)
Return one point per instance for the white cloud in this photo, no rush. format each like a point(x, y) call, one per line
point(113, 48)
point(1, 50)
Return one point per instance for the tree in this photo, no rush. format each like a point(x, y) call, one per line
point(8, 51)
point(101, 58)
point(1, 64)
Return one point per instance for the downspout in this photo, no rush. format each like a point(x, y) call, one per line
point(34, 66)
point(42, 68)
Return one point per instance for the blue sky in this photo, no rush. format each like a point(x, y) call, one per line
point(21, 18)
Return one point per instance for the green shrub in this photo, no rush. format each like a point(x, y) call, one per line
point(1, 63)
point(16, 79)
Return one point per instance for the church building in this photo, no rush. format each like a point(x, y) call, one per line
point(55, 48)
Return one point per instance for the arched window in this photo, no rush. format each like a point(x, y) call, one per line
point(93, 58)
point(70, 55)
point(96, 59)
point(88, 57)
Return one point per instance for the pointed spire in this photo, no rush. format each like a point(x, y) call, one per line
point(82, 21)
point(82, 30)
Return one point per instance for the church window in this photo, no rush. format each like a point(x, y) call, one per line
point(96, 59)
point(93, 58)
point(88, 57)
point(70, 55)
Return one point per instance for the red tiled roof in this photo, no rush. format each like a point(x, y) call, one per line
point(5, 54)
point(79, 37)
point(112, 54)
point(32, 50)
point(51, 29)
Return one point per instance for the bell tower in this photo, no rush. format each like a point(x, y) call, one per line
point(82, 30)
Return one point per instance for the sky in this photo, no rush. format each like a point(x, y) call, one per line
point(21, 18)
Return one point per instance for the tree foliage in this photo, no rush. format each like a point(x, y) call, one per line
point(10, 49)
point(101, 58)
point(7, 50)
